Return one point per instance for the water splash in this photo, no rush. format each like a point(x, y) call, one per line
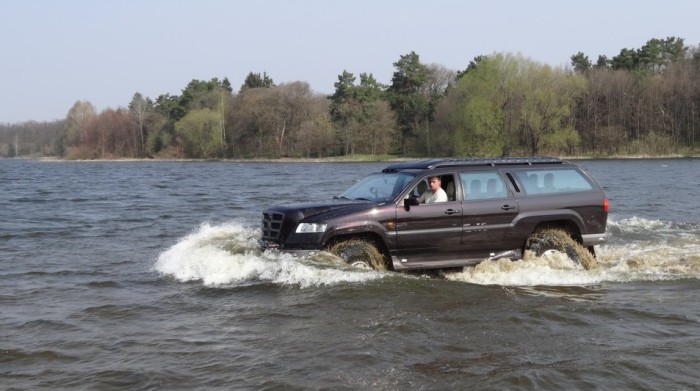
point(641, 250)
point(615, 264)
point(548, 269)
point(228, 254)
point(637, 228)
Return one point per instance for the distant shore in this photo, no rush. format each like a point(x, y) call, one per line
point(345, 159)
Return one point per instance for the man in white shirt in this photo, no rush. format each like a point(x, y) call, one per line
point(435, 193)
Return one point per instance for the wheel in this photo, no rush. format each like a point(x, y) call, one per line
point(359, 253)
point(549, 240)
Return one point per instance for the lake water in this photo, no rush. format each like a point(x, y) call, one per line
point(146, 275)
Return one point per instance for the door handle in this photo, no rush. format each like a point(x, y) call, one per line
point(451, 212)
point(508, 207)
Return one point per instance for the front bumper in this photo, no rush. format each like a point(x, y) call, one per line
point(266, 245)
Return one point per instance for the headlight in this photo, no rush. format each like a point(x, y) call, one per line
point(304, 228)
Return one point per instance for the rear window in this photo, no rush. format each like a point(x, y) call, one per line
point(483, 185)
point(552, 181)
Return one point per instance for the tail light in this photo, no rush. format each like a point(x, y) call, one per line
point(606, 204)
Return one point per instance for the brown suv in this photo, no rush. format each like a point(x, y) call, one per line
point(494, 208)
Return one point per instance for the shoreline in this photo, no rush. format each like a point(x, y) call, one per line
point(336, 159)
point(340, 159)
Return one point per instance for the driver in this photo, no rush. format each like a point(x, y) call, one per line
point(435, 193)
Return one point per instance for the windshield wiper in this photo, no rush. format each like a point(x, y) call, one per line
point(340, 198)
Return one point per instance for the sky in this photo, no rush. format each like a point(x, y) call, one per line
point(54, 53)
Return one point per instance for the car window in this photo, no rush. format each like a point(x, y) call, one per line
point(552, 181)
point(420, 188)
point(483, 185)
point(378, 187)
point(446, 182)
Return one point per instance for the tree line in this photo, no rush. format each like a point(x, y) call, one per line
point(642, 101)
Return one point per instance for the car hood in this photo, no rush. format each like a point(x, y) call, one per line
point(328, 209)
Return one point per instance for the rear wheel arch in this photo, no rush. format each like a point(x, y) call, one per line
point(565, 225)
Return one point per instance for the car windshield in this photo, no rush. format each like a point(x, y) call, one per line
point(380, 187)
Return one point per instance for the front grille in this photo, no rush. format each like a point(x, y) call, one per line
point(271, 225)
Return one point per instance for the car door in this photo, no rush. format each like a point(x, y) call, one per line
point(488, 210)
point(429, 231)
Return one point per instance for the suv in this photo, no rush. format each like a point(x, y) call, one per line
point(495, 208)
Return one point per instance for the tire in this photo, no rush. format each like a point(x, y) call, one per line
point(559, 240)
point(359, 253)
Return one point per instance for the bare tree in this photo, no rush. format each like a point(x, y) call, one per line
point(139, 107)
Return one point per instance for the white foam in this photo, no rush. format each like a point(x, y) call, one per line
point(639, 222)
point(227, 254)
point(626, 263)
point(655, 228)
point(549, 269)
point(639, 225)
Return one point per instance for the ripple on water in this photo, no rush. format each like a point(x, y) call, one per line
point(120, 312)
point(21, 357)
point(48, 326)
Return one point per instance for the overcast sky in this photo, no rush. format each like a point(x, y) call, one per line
point(103, 51)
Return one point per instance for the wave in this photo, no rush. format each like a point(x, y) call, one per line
point(25, 357)
point(641, 226)
point(640, 250)
point(228, 254)
point(615, 264)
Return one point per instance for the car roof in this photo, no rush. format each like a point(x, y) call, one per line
point(473, 161)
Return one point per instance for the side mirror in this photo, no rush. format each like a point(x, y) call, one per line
point(411, 201)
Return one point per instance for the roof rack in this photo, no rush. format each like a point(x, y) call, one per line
point(473, 161)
